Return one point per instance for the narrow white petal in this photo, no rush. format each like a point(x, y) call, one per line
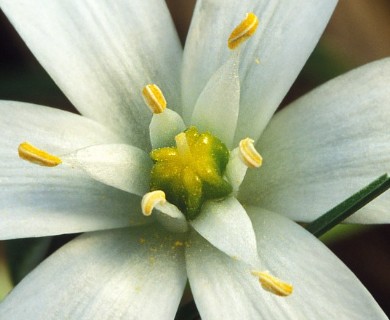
point(171, 217)
point(118, 165)
point(35, 202)
point(217, 107)
point(324, 288)
point(235, 169)
point(326, 146)
point(39, 201)
point(122, 274)
point(102, 53)
point(56, 131)
point(226, 226)
point(164, 127)
point(271, 59)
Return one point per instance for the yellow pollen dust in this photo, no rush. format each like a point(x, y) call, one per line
point(249, 154)
point(154, 98)
point(150, 200)
point(243, 31)
point(273, 284)
point(179, 243)
point(34, 155)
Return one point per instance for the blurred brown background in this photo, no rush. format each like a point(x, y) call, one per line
point(359, 32)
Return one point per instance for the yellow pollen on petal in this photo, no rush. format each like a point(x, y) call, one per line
point(34, 155)
point(179, 243)
point(243, 31)
point(249, 154)
point(273, 284)
point(154, 98)
point(150, 200)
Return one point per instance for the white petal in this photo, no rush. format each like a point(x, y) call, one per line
point(118, 165)
point(58, 132)
point(217, 107)
point(226, 226)
point(323, 287)
point(171, 217)
point(235, 169)
point(122, 274)
point(38, 201)
point(101, 54)
point(325, 147)
point(271, 60)
point(164, 127)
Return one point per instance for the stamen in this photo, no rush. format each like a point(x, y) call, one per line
point(150, 200)
point(273, 284)
point(243, 31)
point(34, 155)
point(249, 154)
point(154, 98)
point(182, 146)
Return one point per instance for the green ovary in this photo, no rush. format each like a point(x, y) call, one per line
point(192, 172)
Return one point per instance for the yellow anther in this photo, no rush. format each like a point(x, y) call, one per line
point(249, 154)
point(150, 200)
point(273, 284)
point(243, 31)
point(154, 98)
point(33, 154)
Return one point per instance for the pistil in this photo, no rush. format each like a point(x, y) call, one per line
point(192, 172)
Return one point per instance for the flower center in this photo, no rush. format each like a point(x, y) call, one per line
point(192, 172)
point(196, 170)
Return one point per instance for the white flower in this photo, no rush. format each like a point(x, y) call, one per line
point(317, 152)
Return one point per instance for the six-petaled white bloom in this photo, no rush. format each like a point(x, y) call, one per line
point(240, 251)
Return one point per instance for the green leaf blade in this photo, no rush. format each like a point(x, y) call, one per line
point(346, 208)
